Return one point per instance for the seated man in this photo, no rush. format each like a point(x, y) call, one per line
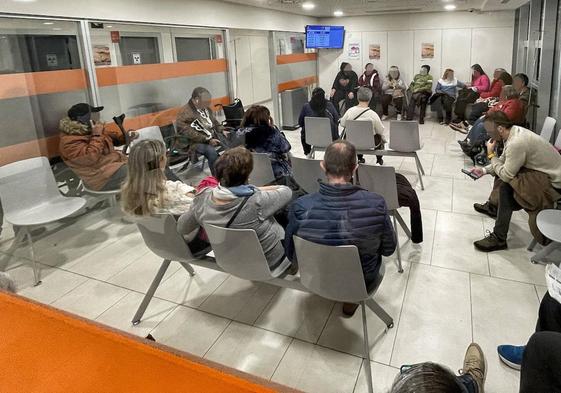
point(343, 214)
point(88, 150)
point(421, 89)
point(197, 123)
point(363, 112)
point(236, 204)
point(524, 153)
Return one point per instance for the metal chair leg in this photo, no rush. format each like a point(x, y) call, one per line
point(419, 173)
point(150, 293)
point(419, 164)
point(36, 275)
point(532, 245)
point(402, 223)
point(399, 265)
point(540, 255)
point(367, 366)
point(188, 267)
point(380, 312)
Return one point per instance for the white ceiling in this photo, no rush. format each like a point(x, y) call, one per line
point(325, 8)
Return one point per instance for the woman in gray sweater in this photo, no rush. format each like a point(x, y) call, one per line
point(216, 206)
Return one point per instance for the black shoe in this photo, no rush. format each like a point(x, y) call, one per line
point(349, 309)
point(421, 121)
point(486, 208)
point(490, 243)
point(150, 338)
point(361, 161)
point(380, 160)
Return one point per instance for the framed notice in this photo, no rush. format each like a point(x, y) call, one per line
point(427, 50)
point(353, 50)
point(101, 55)
point(374, 51)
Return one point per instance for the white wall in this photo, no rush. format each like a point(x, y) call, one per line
point(182, 12)
point(460, 39)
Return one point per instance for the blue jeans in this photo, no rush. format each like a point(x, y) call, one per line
point(468, 383)
point(477, 132)
point(209, 152)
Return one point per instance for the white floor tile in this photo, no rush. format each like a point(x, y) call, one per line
point(56, 283)
point(436, 317)
point(190, 330)
point(422, 252)
point(382, 378)
point(346, 334)
point(120, 315)
point(504, 312)
point(466, 193)
point(437, 194)
point(182, 288)
point(240, 300)
point(540, 290)
point(448, 166)
point(249, 349)
point(296, 314)
point(90, 299)
point(454, 232)
point(311, 368)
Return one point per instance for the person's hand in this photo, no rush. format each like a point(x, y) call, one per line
point(491, 146)
point(332, 93)
point(214, 142)
point(133, 135)
point(477, 171)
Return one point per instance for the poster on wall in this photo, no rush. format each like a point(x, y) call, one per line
point(101, 55)
point(427, 50)
point(374, 51)
point(353, 50)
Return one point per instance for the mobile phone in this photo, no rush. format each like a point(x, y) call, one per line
point(470, 174)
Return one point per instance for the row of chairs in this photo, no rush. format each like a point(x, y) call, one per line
point(404, 138)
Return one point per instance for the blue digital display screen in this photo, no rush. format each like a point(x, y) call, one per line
point(325, 36)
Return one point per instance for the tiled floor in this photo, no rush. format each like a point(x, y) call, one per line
point(449, 294)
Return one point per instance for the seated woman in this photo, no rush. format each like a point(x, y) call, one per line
point(393, 90)
point(446, 90)
point(146, 190)
point(261, 136)
point(344, 88)
point(371, 79)
point(479, 84)
point(218, 206)
point(510, 104)
point(318, 107)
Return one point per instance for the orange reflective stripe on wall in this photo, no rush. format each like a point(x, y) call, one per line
point(45, 82)
point(296, 58)
point(110, 76)
point(293, 84)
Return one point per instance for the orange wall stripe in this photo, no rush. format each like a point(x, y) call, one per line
point(34, 83)
point(49, 146)
point(296, 58)
point(293, 84)
point(110, 76)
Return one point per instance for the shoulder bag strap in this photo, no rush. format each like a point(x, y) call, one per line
point(238, 210)
point(362, 113)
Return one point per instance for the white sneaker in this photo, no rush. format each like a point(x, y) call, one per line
point(399, 117)
point(385, 117)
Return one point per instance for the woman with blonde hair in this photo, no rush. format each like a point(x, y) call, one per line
point(447, 91)
point(146, 190)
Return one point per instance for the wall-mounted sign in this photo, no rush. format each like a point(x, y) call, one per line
point(101, 55)
point(115, 37)
point(353, 50)
point(427, 50)
point(136, 58)
point(218, 38)
point(374, 51)
point(52, 60)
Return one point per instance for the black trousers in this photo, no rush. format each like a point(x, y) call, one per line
point(549, 317)
point(387, 100)
point(477, 110)
point(418, 99)
point(407, 196)
point(507, 205)
point(541, 364)
point(447, 106)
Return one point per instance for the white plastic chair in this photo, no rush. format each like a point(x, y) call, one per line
point(307, 172)
point(558, 141)
point(238, 252)
point(30, 197)
point(381, 180)
point(335, 273)
point(262, 172)
point(547, 128)
point(405, 142)
point(318, 133)
point(549, 224)
point(161, 237)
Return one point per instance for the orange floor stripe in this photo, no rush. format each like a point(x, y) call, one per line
point(45, 350)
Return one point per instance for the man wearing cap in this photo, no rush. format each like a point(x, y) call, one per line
point(89, 151)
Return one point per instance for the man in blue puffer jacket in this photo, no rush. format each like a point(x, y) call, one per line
point(343, 214)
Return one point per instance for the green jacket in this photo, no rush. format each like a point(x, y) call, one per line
point(421, 83)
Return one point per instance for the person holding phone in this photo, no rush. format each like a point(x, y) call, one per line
point(527, 175)
point(88, 148)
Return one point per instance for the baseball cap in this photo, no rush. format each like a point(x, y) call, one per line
point(82, 109)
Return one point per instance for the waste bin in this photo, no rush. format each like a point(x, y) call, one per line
point(292, 102)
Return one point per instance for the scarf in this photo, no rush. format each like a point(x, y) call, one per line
point(231, 193)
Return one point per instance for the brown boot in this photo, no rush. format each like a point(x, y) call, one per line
point(349, 309)
point(474, 365)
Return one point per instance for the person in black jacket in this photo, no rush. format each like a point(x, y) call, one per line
point(343, 214)
point(318, 107)
point(343, 92)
